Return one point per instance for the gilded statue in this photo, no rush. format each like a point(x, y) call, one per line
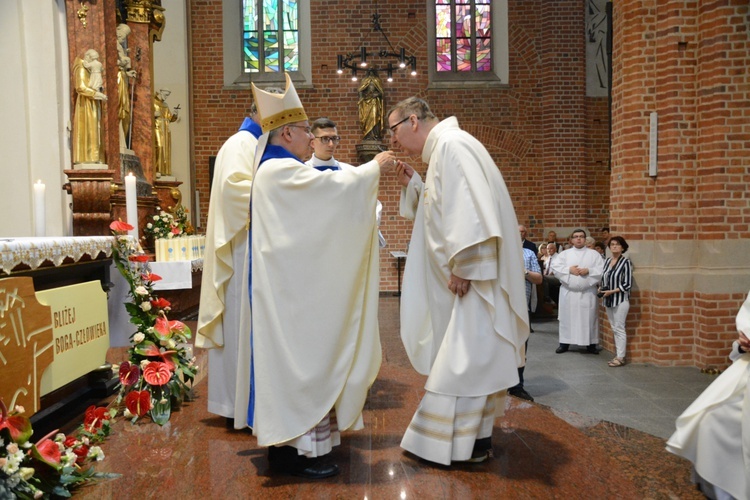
point(124, 73)
point(163, 116)
point(371, 107)
point(88, 132)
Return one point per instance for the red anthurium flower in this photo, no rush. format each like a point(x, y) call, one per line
point(138, 258)
point(81, 453)
point(47, 451)
point(175, 230)
point(119, 226)
point(18, 425)
point(165, 328)
point(151, 277)
point(157, 373)
point(138, 402)
point(95, 417)
point(152, 351)
point(70, 441)
point(161, 303)
point(129, 373)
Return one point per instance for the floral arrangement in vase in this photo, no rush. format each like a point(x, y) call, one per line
point(56, 464)
point(170, 224)
point(160, 369)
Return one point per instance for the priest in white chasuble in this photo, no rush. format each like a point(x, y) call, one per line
point(714, 431)
point(464, 318)
point(224, 287)
point(314, 292)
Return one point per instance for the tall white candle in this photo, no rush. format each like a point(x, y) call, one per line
point(39, 209)
point(131, 204)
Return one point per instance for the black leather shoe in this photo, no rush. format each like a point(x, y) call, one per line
point(286, 460)
point(591, 349)
point(561, 349)
point(316, 470)
point(520, 393)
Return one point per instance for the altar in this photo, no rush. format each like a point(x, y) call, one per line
point(55, 321)
point(57, 261)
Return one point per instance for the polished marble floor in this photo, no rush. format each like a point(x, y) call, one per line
point(570, 443)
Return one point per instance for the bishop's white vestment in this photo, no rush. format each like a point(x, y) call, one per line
point(714, 431)
point(578, 305)
point(470, 346)
point(315, 278)
point(224, 291)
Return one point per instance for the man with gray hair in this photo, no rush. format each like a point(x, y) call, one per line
point(314, 293)
point(464, 318)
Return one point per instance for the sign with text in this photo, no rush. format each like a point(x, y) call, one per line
point(80, 330)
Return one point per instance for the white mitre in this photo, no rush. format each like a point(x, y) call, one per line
point(276, 110)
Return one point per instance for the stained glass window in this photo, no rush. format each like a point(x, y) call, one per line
point(270, 36)
point(463, 36)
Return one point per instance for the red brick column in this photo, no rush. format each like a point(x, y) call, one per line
point(688, 225)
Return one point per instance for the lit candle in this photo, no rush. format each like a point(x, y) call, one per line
point(39, 209)
point(131, 204)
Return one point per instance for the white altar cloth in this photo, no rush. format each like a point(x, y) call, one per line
point(33, 252)
point(175, 275)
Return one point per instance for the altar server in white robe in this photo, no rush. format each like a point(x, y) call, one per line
point(225, 274)
point(579, 270)
point(326, 140)
point(314, 294)
point(714, 431)
point(464, 317)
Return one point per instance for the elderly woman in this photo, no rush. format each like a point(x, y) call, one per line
point(615, 289)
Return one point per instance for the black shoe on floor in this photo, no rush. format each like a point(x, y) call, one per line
point(591, 349)
point(315, 470)
point(562, 348)
point(482, 450)
point(286, 460)
point(520, 393)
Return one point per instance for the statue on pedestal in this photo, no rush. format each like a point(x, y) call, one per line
point(163, 116)
point(371, 107)
point(124, 73)
point(88, 133)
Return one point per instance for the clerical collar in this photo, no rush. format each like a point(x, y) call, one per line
point(248, 125)
point(273, 151)
point(317, 162)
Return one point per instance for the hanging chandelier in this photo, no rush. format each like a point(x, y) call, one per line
point(385, 61)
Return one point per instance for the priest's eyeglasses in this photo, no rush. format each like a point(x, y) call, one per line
point(329, 139)
point(394, 127)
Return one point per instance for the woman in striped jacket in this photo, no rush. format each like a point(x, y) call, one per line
point(615, 288)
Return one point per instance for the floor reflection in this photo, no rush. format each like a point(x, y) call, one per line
point(536, 454)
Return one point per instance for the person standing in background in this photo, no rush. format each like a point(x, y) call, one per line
point(617, 280)
point(579, 270)
point(224, 287)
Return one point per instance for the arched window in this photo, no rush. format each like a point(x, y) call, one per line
point(468, 41)
point(272, 37)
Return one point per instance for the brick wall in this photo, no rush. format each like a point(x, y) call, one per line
point(548, 139)
point(687, 61)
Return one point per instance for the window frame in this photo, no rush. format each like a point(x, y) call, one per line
point(234, 74)
point(498, 76)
